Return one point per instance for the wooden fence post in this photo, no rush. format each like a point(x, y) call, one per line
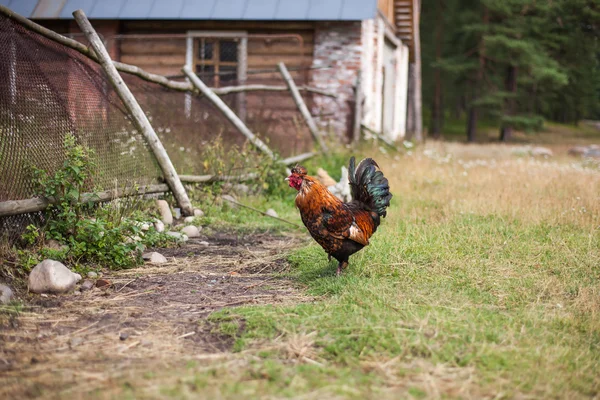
point(139, 117)
point(312, 126)
point(227, 112)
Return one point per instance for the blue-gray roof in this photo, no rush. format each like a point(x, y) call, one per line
point(263, 10)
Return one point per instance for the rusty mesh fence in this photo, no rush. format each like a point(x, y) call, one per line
point(48, 91)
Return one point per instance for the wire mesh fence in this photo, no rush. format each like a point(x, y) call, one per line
point(49, 91)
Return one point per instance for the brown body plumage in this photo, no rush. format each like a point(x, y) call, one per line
point(341, 228)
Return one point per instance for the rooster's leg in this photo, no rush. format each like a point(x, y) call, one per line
point(341, 267)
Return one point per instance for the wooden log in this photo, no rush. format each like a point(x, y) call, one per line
point(358, 109)
point(312, 126)
point(380, 137)
point(227, 112)
point(268, 88)
point(298, 158)
point(217, 178)
point(139, 117)
point(16, 207)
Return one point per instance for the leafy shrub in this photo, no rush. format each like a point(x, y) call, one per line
point(99, 235)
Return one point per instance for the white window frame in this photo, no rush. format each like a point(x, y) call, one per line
point(242, 58)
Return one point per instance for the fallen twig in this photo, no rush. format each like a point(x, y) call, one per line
point(263, 213)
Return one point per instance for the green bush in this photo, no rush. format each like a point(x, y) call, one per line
point(103, 235)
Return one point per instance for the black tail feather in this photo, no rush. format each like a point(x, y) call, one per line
point(369, 186)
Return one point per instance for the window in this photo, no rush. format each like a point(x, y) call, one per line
point(218, 57)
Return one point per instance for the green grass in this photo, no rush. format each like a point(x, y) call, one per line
point(448, 300)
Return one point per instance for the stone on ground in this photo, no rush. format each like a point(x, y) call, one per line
point(165, 212)
point(272, 213)
point(51, 276)
point(541, 152)
point(188, 220)
point(228, 200)
point(86, 285)
point(240, 188)
point(55, 245)
point(6, 294)
point(198, 212)
point(154, 258)
point(191, 231)
point(159, 226)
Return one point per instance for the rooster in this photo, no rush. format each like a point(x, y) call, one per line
point(341, 228)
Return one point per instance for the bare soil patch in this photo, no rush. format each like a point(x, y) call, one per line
point(151, 314)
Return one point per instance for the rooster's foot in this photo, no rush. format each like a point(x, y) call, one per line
point(341, 267)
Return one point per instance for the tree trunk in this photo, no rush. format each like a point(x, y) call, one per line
point(511, 86)
point(472, 121)
point(415, 110)
point(437, 114)
point(472, 124)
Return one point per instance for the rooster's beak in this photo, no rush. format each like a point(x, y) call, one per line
point(287, 179)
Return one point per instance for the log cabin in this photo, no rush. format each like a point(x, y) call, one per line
point(324, 43)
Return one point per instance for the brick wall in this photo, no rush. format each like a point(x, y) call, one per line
point(338, 45)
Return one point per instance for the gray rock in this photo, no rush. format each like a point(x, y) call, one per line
point(6, 294)
point(145, 226)
point(154, 258)
point(165, 212)
point(86, 285)
point(203, 243)
point(55, 245)
point(159, 226)
point(188, 220)
point(177, 212)
point(133, 239)
point(577, 150)
point(77, 293)
point(592, 153)
point(272, 213)
point(191, 231)
point(75, 341)
point(178, 236)
point(51, 276)
point(240, 188)
point(228, 199)
point(198, 212)
point(541, 152)
point(123, 335)
point(92, 275)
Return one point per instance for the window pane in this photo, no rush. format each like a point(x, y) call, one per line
point(227, 73)
point(206, 73)
point(228, 50)
point(205, 50)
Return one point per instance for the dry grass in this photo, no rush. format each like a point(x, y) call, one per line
point(491, 180)
point(61, 341)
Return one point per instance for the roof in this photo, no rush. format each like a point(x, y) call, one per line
point(262, 10)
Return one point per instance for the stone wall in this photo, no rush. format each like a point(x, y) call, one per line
point(337, 45)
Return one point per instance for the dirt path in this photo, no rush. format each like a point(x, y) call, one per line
point(152, 314)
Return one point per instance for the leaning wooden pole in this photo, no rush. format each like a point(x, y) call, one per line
point(312, 126)
point(227, 112)
point(139, 117)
